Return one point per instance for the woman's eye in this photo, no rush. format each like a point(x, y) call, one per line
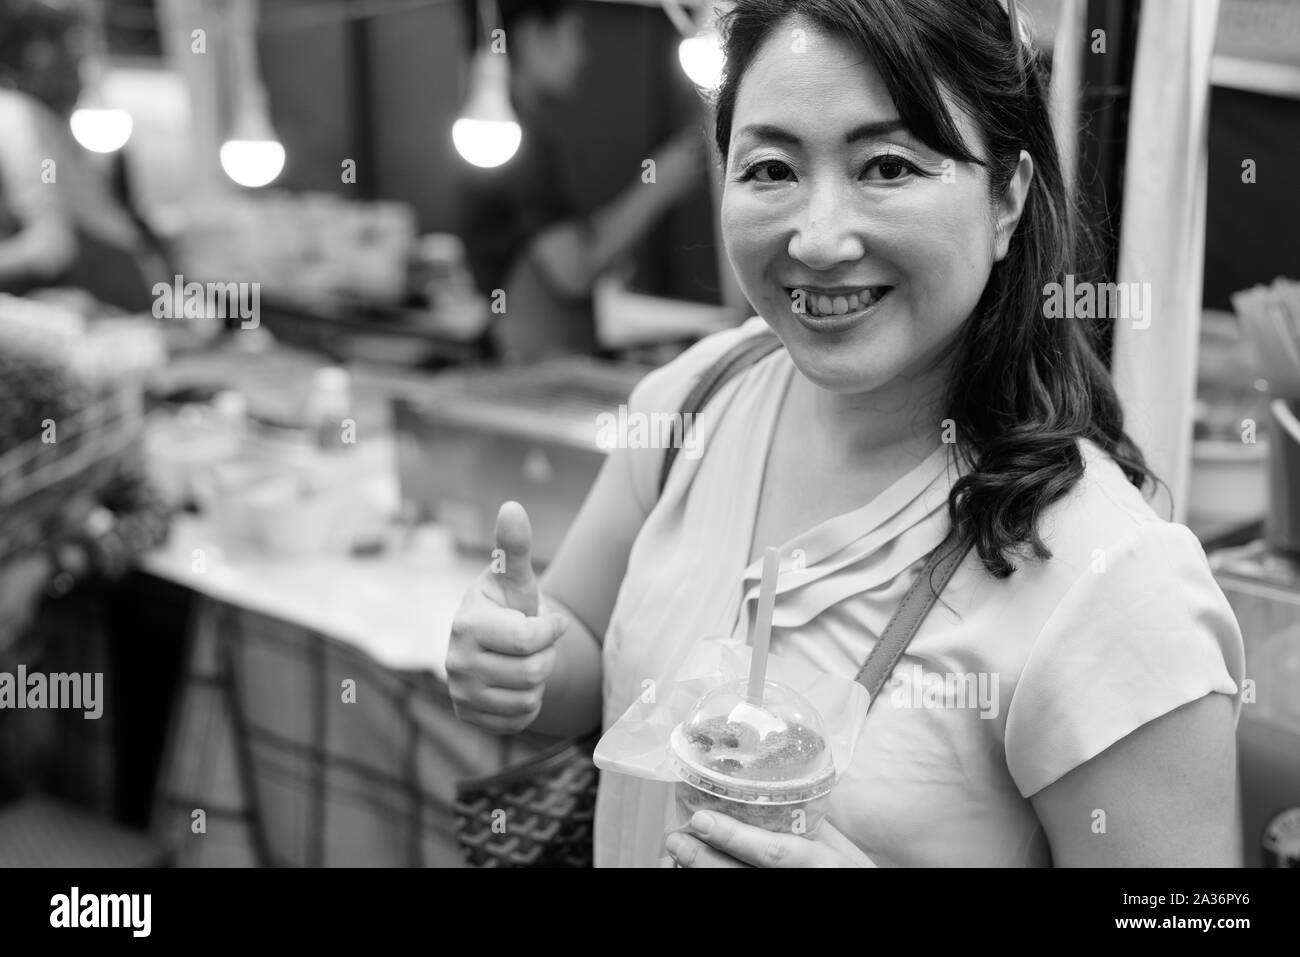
point(771, 171)
point(890, 167)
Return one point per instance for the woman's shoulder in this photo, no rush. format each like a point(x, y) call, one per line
point(665, 388)
point(1132, 626)
point(1111, 554)
point(1104, 513)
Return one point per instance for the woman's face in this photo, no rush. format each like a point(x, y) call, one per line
point(864, 249)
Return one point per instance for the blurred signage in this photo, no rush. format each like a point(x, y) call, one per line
point(1261, 30)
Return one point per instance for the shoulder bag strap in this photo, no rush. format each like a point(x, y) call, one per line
point(739, 357)
point(916, 604)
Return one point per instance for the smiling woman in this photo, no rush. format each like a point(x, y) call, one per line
point(936, 193)
point(893, 208)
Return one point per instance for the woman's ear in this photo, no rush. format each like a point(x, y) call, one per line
point(1011, 205)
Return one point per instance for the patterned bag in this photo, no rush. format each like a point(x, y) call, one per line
point(548, 801)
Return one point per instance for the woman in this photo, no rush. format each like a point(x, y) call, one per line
point(893, 209)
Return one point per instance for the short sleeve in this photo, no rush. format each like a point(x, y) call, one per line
point(1144, 630)
point(664, 391)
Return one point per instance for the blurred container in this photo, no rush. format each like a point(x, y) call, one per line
point(292, 520)
point(1229, 482)
point(223, 492)
point(1263, 588)
point(328, 405)
point(1283, 523)
point(263, 508)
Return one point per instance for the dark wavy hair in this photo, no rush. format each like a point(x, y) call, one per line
point(1026, 388)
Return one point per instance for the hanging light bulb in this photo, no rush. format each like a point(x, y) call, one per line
point(702, 59)
point(100, 129)
point(253, 156)
point(487, 133)
point(95, 125)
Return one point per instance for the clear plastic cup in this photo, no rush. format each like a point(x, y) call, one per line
point(768, 765)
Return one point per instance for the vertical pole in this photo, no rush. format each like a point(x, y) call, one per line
point(360, 106)
point(1104, 109)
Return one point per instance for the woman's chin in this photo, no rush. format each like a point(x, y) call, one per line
point(841, 373)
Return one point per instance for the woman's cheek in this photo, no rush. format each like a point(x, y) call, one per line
point(749, 236)
point(951, 266)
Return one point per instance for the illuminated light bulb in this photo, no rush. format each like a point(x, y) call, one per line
point(486, 143)
point(253, 156)
point(95, 125)
point(487, 134)
point(252, 163)
point(101, 129)
point(702, 60)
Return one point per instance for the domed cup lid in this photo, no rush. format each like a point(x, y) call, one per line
point(773, 752)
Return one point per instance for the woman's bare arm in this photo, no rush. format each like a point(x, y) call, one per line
point(1164, 796)
point(582, 583)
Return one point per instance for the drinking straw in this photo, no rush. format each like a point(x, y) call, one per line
point(1283, 324)
point(1265, 319)
point(763, 624)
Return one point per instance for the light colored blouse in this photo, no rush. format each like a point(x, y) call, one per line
point(1122, 625)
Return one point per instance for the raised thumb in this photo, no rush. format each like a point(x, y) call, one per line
point(512, 559)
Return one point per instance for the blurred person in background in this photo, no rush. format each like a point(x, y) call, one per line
point(56, 616)
point(65, 220)
point(523, 227)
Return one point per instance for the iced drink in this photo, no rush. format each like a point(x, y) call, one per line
point(767, 765)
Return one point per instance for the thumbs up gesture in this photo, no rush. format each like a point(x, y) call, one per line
point(501, 652)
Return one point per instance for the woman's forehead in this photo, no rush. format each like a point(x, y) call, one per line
point(804, 77)
point(798, 61)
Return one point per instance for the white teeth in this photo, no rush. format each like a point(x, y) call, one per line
point(818, 305)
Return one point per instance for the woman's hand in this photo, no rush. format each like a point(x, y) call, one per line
point(501, 651)
point(716, 840)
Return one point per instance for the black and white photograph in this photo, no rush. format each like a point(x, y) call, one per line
point(567, 434)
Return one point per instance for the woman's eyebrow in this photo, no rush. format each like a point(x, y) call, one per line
point(871, 131)
point(864, 131)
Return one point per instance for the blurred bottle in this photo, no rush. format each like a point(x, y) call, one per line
point(329, 409)
point(231, 409)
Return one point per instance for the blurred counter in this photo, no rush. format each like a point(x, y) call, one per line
point(396, 606)
point(312, 725)
point(288, 553)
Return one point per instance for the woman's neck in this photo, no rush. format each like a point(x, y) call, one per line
point(904, 416)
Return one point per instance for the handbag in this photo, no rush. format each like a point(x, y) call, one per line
point(549, 800)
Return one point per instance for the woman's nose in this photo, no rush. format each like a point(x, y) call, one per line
point(825, 236)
